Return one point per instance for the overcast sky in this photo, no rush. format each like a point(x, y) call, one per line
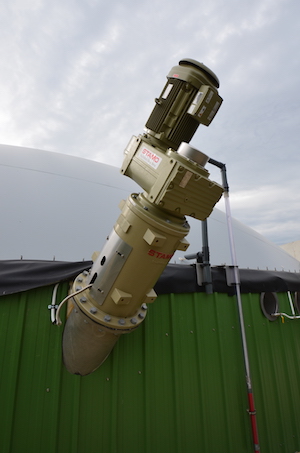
point(80, 78)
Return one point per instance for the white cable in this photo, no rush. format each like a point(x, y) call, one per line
point(285, 315)
point(57, 317)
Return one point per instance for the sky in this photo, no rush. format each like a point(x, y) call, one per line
point(80, 78)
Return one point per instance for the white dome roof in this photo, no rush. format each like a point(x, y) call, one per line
point(56, 205)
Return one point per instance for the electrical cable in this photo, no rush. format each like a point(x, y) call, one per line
point(58, 321)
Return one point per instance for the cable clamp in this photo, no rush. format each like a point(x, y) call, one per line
point(251, 412)
point(232, 275)
point(50, 307)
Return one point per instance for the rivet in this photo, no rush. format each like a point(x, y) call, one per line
point(47, 390)
point(107, 318)
point(107, 378)
point(167, 334)
point(141, 315)
point(93, 310)
point(78, 288)
point(133, 320)
point(144, 307)
point(192, 331)
point(79, 279)
point(122, 322)
point(140, 372)
point(83, 300)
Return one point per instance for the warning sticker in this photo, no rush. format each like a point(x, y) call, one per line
point(208, 98)
point(195, 102)
point(149, 157)
point(214, 111)
point(167, 91)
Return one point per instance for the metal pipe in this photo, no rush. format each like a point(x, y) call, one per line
point(53, 306)
point(291, 303)
point(203, 270)
point(206, 264)
point(251, 410)
point(294, 316)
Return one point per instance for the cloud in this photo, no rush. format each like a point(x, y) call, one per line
point(81, 77)
point(273, 211)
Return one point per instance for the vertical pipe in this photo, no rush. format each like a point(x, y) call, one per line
point(291, 303)
point(251, 410)
point(205, 256)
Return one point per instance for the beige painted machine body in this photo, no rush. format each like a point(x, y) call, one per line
point(152, 225)
point(171, 180)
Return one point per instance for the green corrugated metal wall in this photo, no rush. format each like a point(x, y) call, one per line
point(176, 384)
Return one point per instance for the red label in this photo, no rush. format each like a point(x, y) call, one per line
point(151, 155)
point(163, 256)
